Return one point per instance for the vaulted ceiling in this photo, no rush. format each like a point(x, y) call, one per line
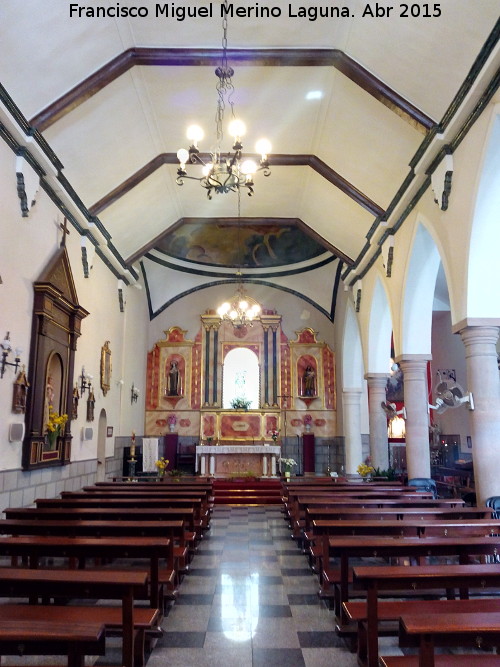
point(350, 104)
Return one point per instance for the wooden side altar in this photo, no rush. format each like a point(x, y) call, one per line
point(223, 460)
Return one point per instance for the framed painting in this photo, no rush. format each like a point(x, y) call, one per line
point(105, 368)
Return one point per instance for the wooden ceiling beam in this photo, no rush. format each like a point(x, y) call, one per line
point(275, 160)
point(168, 57)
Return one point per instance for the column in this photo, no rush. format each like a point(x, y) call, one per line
point(416, 395)
point(483, 381)
point(352, 430)
point(379, 445)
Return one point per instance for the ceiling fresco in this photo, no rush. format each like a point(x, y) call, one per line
point(249, 245)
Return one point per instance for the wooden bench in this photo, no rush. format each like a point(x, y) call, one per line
point(377, 579)
point(390, 611)
point(81, 584)
point(41, 636)
point(77, 616)
point(346, 548)
point(453, 629)
point(33, 548)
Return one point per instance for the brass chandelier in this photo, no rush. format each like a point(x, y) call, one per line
point(225, 172)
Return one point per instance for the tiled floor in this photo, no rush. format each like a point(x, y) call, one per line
point(250, 600)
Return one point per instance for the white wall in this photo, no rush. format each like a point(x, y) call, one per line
point(26, 248)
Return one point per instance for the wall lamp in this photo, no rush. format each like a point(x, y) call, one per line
point(85, 381)
point(6, 348)
point(134, 394)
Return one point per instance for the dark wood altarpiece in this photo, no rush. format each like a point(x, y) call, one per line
point(57, 318)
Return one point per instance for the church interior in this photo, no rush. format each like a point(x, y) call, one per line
point(320, 304)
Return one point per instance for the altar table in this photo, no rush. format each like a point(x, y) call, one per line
point(220, 460)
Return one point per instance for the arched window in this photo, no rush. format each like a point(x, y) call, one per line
point(241, 378)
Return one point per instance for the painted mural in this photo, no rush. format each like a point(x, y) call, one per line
point(250, 245)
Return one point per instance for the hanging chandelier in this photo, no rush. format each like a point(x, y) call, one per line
point(241, 310)
point(225, 172)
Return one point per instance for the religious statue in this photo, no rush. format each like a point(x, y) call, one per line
point(173, 379)
point(48, 401)
point(90, 405)
point(19, 393)
point(74, 404)
point(309, 381)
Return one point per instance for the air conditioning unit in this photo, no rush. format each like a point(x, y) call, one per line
point(16, 432)
point(87, 433)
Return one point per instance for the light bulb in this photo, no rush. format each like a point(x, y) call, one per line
point(207, 168)
point(222, 310)
point(248, 167)
point(233, 314)
point(182, 156)
point(237, 128)
point(243, 305)
point(263, 146)
point(195, 133)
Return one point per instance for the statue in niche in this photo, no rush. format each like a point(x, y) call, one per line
point(49, 401)
point(173, 379)
point(20, 392)
point(74, 403)
point(309, 381)
point(90, 405)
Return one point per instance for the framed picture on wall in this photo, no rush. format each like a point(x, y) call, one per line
point(469, 442)
point(109, 432)
point(105, 368)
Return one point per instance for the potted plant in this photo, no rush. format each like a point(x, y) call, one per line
point(172, 421)
point(161, 466)
point(286, 466)
point(55, 426)
point(240, 403)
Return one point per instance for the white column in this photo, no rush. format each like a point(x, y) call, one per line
point(352, 429)
point(264, 465)
point(212, 464)
point(273, 465)
point(484, 383)
point(416, 395)
point(379, 450)
point(203, 464)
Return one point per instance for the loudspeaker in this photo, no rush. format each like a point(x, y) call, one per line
point(87, 433)
point(16, 432)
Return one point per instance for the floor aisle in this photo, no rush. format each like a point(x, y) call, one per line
point(250, 600)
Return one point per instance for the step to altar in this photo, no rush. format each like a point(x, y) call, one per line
point(241, 491)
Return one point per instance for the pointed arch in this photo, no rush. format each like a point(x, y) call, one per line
point(352, 356)
point(418, 294)
point(379, 330)
point(484, 267)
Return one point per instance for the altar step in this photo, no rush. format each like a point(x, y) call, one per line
point(247, 492)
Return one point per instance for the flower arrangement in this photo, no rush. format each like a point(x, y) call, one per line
point(161, 465)
point(55, 425)
point(308, 420)
point(364, 469)
point(240, 403)
point(274, 434)
point(172, 420)
point(288, 463)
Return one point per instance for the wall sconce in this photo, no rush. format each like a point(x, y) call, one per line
point(134, 394)
point(85, 381)
point(6, 348)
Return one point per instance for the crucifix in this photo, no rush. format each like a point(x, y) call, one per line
point(65, 230)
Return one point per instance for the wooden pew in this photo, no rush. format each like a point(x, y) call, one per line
point(346, 548)
point(81, 584)
point(376, 579)
point(456, 629)
point(33, 548)
point(389, 612)
point(201, 519)
point(49, 636)
point(125, 528)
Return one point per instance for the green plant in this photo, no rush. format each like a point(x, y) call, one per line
point(240, 403)
point(389, 474)
point(175, 473)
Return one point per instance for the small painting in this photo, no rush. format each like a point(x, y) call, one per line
point(109, 432)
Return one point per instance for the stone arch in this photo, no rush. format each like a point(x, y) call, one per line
point(484, 267)
point(418, 296)
point(379, 331)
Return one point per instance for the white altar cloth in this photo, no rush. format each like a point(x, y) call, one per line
point(205, 456)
